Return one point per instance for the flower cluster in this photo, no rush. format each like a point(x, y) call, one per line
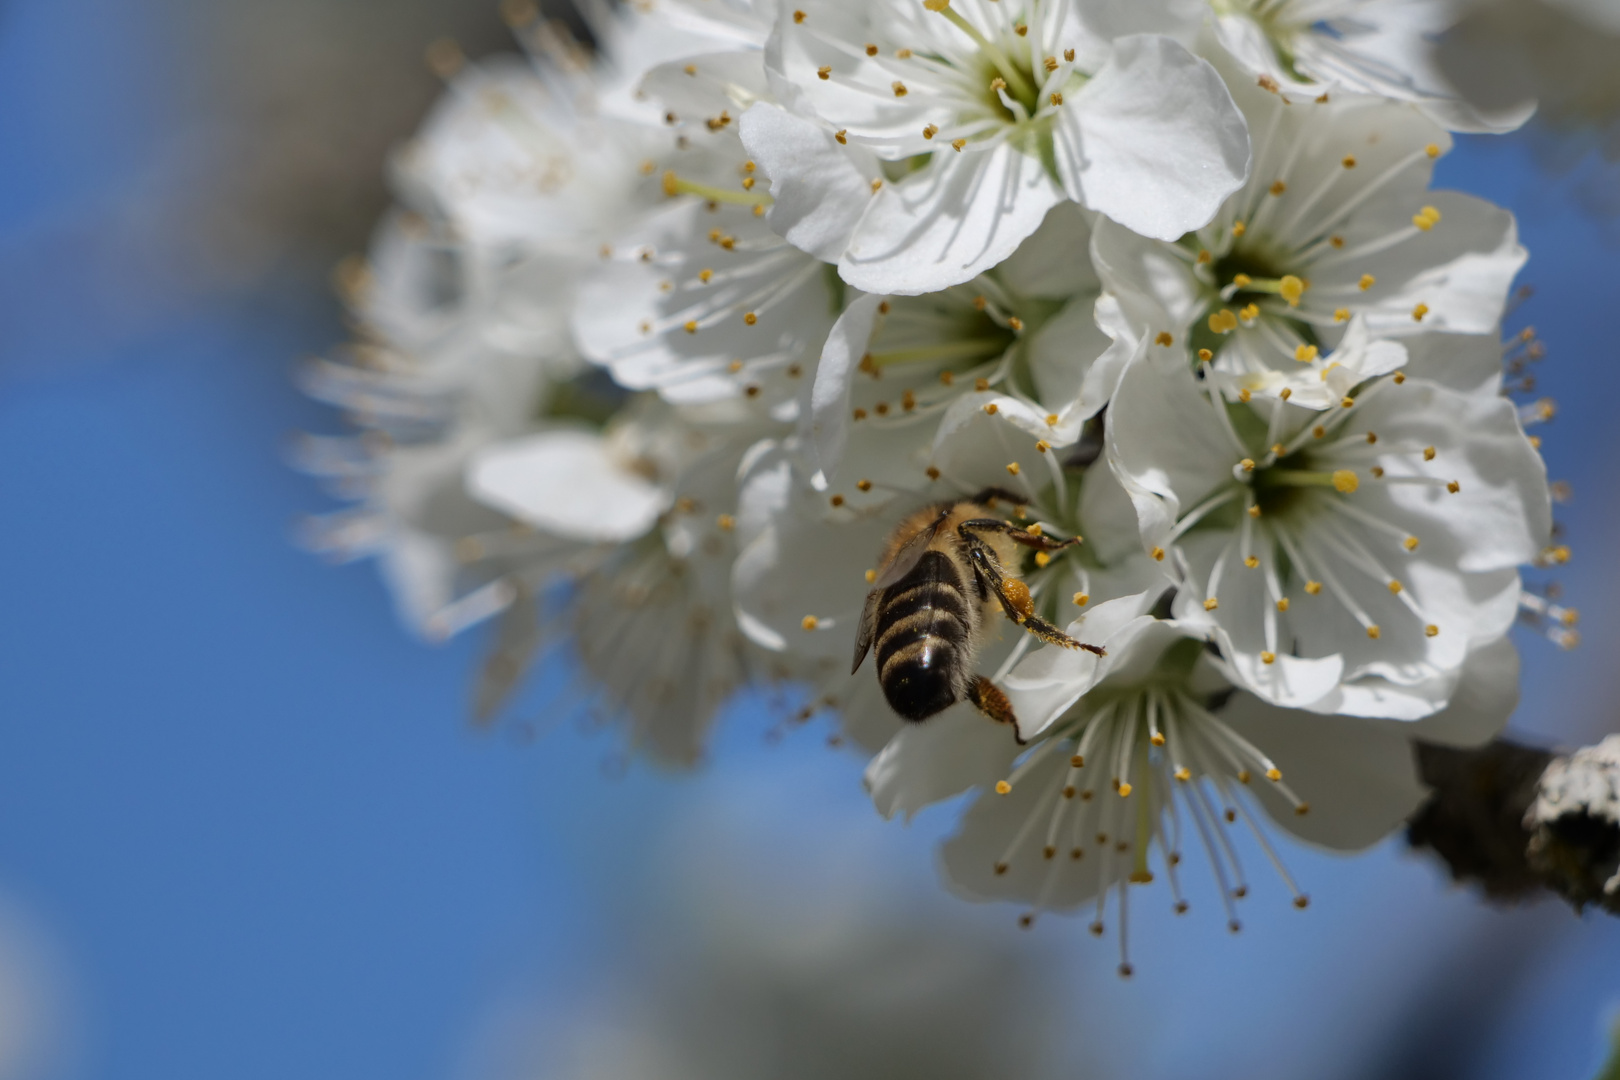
point(1110, 373)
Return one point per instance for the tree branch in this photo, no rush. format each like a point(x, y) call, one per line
point(1517, 820)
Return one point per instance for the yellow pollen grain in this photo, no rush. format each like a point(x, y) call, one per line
point(1158, 554)
point(1082, 599)
point(1042, 558)
point(1291, 288)
point(1305, 353)
point(1002, 787)
point(1211, 604)
point(1251, 561)
point(1431, 630)
point(1164, 338)
point(871, 576)
point(1268, 657)
point(1012, 468)
point(705, 274)
point(1367, 281)
point(1282, 605)
point(1345, 482)
point(810, 622)
point(1273, 775)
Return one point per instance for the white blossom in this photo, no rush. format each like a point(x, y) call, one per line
point(991, 115)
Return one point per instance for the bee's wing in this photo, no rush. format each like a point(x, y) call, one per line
point(910, 553)
point(863, 632)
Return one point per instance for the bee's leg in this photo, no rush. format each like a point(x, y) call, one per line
point(1037, 541)
point(1015, 599)
point(989, 699)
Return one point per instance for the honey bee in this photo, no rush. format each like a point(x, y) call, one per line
point(944, 570)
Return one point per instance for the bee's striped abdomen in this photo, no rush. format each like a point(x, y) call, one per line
point(924, 626)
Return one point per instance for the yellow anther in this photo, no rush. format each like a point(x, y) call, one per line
point(871, 49)
point(1419, 311)
point(1182, 774)
point(933, 473)
point(1254, 511)
point(1349, 161)
point(1250, 312)
point(1428, 453)
point(1278, 448)
point(1055, 98)
point(1285, 393)
point(1205, 355)
point(902, 54)
point(1341, 314)
point(1336, 240)
point(1244, 395)
point(1158, 554)
point(1367, 281)
point(930, 131)
point(1050, 63)
point(1373, 631)
point(1433, 150)
point(957, 144)
point(1347, 402)
point(690, 326)
point(1305, 353)
point(1124, 790)
point(1035, 529)
point(871, 576)
point(1002, 787)
point(1068, 54)
point(1318, 431)
point(1012, 468)
point(1277, 187)
point(1251, 561)
point(1273, 775)
point(1223, 321)
point(726, 522)
point(750, 318)
point(981, 385)
point(1238, 228)
point(810, 622)
point(946, 378)
point(1015, 322)
point(1399, 377)
point(863, 485)
point(705, 274)
point(836, 500)
point(1082, 599)
point(1291, 288)
point(1431, 630)
point(991, 409)
point(899, 88)
point(1164, 338)
point(1157, 738)
point(1313, 587)
point(798, 16)
point(1345, 482)
point(1241, 281)
point(997, 83)
point(842, 135)
point(1410, 543)
point(1211, 604)
point(1051, 419)
point(1042, 558)
point(1247, 464)
point(1282, 605)
point(1395, 587)
point(1042, 446)
point(824, 72)
point(1020, 29)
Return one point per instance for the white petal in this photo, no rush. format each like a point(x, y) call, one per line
point(566, 482)
point(829, 412)
point(943, 756)
point(940, 226)
point(1154, 140)
point(1358, 776)
point(1050, 679)
point(820, 188)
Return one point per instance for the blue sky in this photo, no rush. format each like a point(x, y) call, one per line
point(245, 813)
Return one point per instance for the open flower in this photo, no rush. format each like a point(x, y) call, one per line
point(1332, 248)
point(1344, 561)
point(991, 114)
point(1382, 47)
